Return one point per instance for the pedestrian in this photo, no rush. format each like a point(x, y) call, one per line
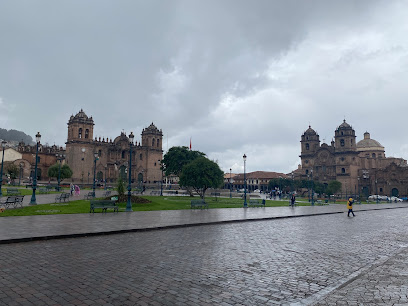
point(293, 200)
point(350, 207)
point(72, 188)
point(77, 190)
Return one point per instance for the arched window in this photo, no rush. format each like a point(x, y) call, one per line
point(123, 154)
point(342, 142)
point(141, 156)
point(343, 170)
point(80, 133)
point(158, 142)
point(351, 142)
point(307, 171)
point(307, 146)
point(100, 153)
point(373, 155)
point(86, 133)
point(153, 142)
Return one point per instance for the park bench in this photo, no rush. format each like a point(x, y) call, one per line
point(134, 192)
point(12, 191)
point(104, 204)
point(63, 196)
point(320, 202)
point(43, 190)
point(199, 204)
point(154, 192)
point(90, 194)
point(107, 193)
point(256, 203)
point(13, 200)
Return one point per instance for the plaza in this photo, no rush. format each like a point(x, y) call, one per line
point(258, 256)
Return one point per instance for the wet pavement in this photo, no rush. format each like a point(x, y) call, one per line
point(322, 259)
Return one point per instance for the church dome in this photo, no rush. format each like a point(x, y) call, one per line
point(369, 144)
point(345, 125)
point(310, 131)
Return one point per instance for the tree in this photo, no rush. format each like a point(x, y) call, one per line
point(12, 170)
point(177, 157)
point(121, 187)
point(66, 171)
point(333, 187)
point(201, 174)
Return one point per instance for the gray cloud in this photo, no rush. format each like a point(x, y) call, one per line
point(236, 76)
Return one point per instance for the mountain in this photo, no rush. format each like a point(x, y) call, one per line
point(14, 135)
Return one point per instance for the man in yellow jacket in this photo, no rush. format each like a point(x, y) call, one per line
point(350, 207)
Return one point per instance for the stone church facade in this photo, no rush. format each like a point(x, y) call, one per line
point(361, 167)
point(112, 155)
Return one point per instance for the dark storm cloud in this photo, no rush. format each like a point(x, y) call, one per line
point(237, 76)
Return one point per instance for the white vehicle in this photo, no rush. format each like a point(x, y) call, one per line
point(395, 199)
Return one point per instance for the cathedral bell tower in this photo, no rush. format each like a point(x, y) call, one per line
point(152, 137)
point(345, 138)
point(80, 128)
point(310, 141)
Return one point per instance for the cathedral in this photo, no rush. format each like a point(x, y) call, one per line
point(112, 156)
point(361, 167)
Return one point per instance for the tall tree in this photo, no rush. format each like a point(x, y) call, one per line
point(177, 157)
point(66, 171)
point(333, 187)
point(201, 174)
point(12, 170)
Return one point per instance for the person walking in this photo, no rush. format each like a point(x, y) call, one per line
point(350, 207)
point(293, 200)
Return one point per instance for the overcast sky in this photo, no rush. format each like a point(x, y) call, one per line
point(235, 76)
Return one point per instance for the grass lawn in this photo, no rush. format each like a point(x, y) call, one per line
point(157, 203)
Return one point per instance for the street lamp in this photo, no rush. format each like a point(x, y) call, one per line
point(161, 183)
point(3, 145)
point(230, 185)
point(21, 168)
point(292, 182)
point(280, 187)
point(33, 199)
point(106, 180)
point(94, 177)
point(129, 203)
point(245, 184)
point(311, 177)
point(60, 157)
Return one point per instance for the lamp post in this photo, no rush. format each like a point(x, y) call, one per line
point(230, 184)
point(292, 183)
point(33, 199)
point(376, 191)
point(308, 187)
point(21, 168)
point(311, 177)
point(161, 182)
point(106, 179)
point(245, 185)
point(358, 183)
point(129, 188)
point(60, 157)
point(3, 145)
point(94, 177)
point(280, 187)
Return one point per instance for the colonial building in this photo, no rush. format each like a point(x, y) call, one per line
point(361, 167)
point(255, 180)
point(112, 155)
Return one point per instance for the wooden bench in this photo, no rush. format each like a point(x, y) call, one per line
point(90, 195)
point(199, 204)
point(63, 196)
point(13, 200)
point(107, 193)
point(104, 204)
point(12, 191)
point(256, 203)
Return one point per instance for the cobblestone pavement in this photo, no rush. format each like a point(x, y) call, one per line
point(283, 261)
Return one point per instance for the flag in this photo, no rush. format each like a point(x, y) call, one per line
point(190, 143)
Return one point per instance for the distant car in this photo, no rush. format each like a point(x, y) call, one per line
point(257, 190)
point(396, 199)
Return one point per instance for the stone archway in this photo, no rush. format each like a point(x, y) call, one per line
point(394, 192)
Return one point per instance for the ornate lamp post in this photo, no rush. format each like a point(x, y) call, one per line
point(106, 179)
point(33, 199)
point(230, 186)
point(129, 203)
point(21, 168)
point(161, 182)
point(60, 158)
point(3, 145)
point(94, 177)
point(308, 187)
point(245, 182)
point(311, 177)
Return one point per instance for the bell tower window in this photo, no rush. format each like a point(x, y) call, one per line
point(80, 133)
point(342, 142)
point(307, 146)
point(86, 133)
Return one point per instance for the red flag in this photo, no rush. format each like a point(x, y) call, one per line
point(190, 143)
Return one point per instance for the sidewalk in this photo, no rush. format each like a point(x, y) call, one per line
point(30, 228)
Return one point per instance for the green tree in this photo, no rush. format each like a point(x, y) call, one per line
point(201, 174)
point(177, 157)
point(66, 171)
point(333, 187)
point(121, 187)
point(12, 170)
